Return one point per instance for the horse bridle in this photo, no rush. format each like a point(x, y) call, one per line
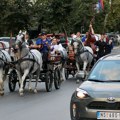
point(79, 49)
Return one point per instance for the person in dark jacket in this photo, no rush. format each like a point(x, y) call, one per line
point(109, 47)
point(101, 44)
point(28, 40)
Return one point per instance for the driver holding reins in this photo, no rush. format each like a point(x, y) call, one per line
point(43, 45)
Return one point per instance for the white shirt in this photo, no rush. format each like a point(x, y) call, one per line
point(56, 48)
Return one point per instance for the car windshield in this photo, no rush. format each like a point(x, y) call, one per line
point(106, 71)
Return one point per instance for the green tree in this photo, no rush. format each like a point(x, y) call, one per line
point(16, 15)
point(113, 22)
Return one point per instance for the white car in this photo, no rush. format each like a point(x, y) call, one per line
point(6, 43)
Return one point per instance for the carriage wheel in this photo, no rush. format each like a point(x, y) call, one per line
point(49, 81)
point(66, 74)
point(12, 80)
point(57, 81)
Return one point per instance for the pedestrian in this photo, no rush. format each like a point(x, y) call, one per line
point(84, 37)
point(101, 45)
point(73, 35)
point(108, 47)
point(28, 40)
point(78, 36)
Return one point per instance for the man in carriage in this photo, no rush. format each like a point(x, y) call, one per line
point(43, 45)
point(58, 49)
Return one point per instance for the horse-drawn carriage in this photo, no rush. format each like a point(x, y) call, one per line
point(49, 75)
point(28, 68)
point(80, 59)
point(70, 65)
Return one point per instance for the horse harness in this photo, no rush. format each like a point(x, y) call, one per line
point(22, 59)
point(4, 60)
point(83, 51)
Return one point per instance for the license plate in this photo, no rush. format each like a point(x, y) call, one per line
point(108, 115)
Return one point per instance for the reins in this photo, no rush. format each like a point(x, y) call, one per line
point(22, 59)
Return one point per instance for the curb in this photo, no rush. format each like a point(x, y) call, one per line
point(116, 47)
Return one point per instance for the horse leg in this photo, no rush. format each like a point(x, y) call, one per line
point(78, 67)
point(37, 78)
point(1, 83)
point(1, 88)
point(63, 74)
point(29, 85)
point(85, 66)
point(22, 81)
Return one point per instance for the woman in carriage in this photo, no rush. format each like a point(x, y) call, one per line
point(58, 49)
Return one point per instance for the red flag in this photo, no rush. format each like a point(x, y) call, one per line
point(101, 3)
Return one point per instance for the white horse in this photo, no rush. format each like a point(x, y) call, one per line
point(19, 37)
point(83, 55)
point(29, 62)
point(4, 68)
point(63, 53)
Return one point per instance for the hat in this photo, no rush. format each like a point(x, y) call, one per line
point(43, 33)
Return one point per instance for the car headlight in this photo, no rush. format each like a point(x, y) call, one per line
point(81, 94)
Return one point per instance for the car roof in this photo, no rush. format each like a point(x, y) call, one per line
point(111, 57)
point(7, 37)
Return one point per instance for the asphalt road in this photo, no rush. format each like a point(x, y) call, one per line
point(41, 106)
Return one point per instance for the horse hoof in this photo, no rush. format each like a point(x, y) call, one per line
point(77, 81)
point(62, 80)
point(21, 94)
point(35, 91)
point(30, 89)
point(2, 94)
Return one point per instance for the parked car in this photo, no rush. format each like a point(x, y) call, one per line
point(6, 43)
point(99, 96)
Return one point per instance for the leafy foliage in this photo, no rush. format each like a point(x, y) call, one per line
point(56, 15)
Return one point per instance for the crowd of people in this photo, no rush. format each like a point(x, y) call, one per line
point(45, 45)
point(103, 45)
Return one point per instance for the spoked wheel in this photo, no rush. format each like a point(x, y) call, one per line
point(57, 81)
point(66, 74)
point(49, 81)
point(12, 80)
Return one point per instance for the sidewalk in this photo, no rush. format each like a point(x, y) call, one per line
point(116, 47)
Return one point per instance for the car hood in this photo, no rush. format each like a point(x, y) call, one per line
point(101, 89)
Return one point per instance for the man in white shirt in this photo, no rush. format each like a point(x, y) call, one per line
point(58, 48)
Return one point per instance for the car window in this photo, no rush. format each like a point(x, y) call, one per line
point(106, 71)
point(62, 39)
point(8, 40)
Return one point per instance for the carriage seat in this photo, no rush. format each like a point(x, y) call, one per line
point(53, 58)
point(71, 54)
